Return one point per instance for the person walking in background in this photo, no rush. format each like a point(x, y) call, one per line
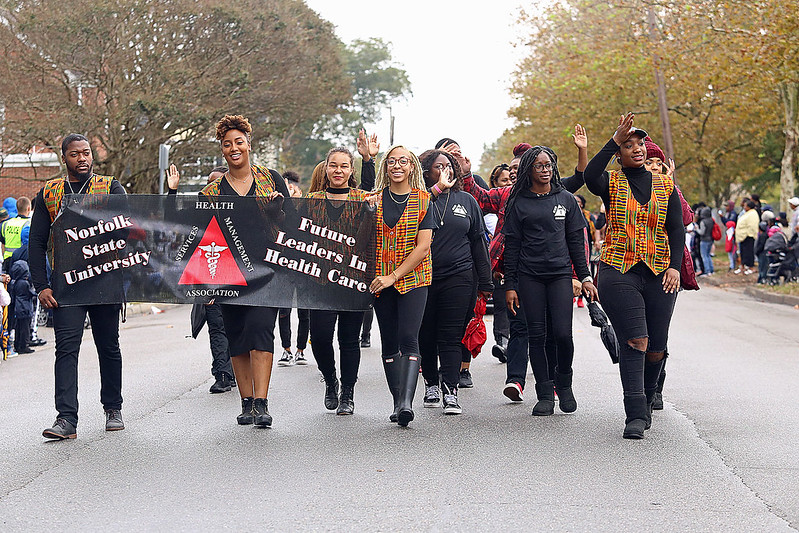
point(22, 296)
point(704, 230)
point(730, 246)
point(745, 234)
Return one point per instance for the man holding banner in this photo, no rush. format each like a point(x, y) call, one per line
point(68, 322)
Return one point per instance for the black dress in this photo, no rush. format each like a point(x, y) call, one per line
point(250, 327)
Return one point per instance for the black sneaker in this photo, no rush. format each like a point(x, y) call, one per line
point(62, 429)
point(260, 410)
point(113, 420)
point(450, 401)
point(37, 342)
point(366, 342)
point(657, 402)
point(300, 359)
point(466, 379)
point(498, 351)
point(223, 383)
point(432, 396)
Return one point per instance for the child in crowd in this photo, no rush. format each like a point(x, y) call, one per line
point(730, 246)
point(23, 296)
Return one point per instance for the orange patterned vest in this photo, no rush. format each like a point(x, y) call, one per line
point(395, 244)
point(637, 232)
point(53, 191)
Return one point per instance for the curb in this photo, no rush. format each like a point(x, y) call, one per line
point(145, 308)
point(766, 296)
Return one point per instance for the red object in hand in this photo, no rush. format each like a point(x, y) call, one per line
point(475, 336)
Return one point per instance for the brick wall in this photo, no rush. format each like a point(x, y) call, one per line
point(25, 178)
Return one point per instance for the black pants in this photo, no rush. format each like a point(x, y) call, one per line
point(748, 252)
point(501, 322)
point(368, 316)
point(541, 298)
point(517, 348)
point(349, 327)
point(303, 328)
point(444, 322)
point(22, 333)
point(399, 317)
point(220, 349)
point(68, 326)
point(637, 307)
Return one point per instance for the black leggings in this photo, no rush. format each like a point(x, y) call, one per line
point(399, 317)
point(638, 308)
point(539, 296)
point(748, 252)
point(448, 305)
point(349, 327)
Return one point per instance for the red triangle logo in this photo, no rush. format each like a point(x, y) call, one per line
point(212, 262)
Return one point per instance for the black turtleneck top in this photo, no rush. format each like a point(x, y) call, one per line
point(597, 180)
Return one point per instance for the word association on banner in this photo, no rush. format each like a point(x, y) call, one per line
point(313, 249)
point(117, 223)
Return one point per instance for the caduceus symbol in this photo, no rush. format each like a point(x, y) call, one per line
point(212, 255)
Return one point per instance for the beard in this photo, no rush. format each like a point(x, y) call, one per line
point(82, 176)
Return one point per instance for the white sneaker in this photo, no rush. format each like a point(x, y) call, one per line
point(286, 360)
point(514, 392)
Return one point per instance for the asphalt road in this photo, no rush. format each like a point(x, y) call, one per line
point(722, 456)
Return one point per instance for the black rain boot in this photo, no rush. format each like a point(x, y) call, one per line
point(246, 417)
point(637, 411)
point(546, 399)
point(657, 402)
point(563, 386)
point(346, 405)
point(331, 394)
point(392, 367)
point(652, 373)
point(409, 377)
point(260, 409)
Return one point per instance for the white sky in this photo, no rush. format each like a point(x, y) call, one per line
point(459, 60)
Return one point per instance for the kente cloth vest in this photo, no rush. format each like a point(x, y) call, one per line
point(53, 191)
point(637, 232)
point(264, 184)
point(12, 234)
point(395, 244)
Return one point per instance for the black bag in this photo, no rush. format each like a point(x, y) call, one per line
point(600, 320)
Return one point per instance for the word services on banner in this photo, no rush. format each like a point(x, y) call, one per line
point(297, 252)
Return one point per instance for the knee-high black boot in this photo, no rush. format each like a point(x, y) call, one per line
point(392, 367)
point(657, 403)
point(407, 387)
point(651, 378)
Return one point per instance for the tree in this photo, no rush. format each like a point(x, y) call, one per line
point(590, 61)
point(374, 82)
point(132, 74)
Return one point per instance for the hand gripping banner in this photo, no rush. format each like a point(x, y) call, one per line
point(296, 252)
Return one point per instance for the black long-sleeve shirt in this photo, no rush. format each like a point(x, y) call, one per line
point(597, 179)
point(40, 235)
point(368, 175)
point(544, 237)
point(459, 242)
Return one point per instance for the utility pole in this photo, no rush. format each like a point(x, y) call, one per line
point(663, 107)
point(163, 164)
point(391, 126)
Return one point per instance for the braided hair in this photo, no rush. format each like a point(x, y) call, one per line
point(524, 177)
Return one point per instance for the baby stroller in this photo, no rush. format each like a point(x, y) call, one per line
point(781, 259)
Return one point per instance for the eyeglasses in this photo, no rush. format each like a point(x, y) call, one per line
point(402, 161)
point(543, 166)
point(441, 166)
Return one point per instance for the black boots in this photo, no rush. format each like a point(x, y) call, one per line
point(657, 401)
point(246, 417)
point(563, 386)
point(223, 383)
point(409, 376)
point(346, 405)
point(392, 366)
point(500, 349)
point(637, 410)
point(546, 399)
point(331, 393)
point(262, 417)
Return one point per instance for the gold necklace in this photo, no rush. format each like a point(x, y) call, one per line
point(391, 194)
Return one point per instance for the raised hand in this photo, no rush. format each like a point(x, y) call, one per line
point(446, 179)
point(580, 137)
point(362, 144)
point(173, 177)
point(670, 167)
point(374, 146)
point(625, 128)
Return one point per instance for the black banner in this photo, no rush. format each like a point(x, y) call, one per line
point(296, 252)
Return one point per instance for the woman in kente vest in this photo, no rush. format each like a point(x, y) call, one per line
point(250, 330)
point(404, 271)
point(639, 269)
point(337, 185)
